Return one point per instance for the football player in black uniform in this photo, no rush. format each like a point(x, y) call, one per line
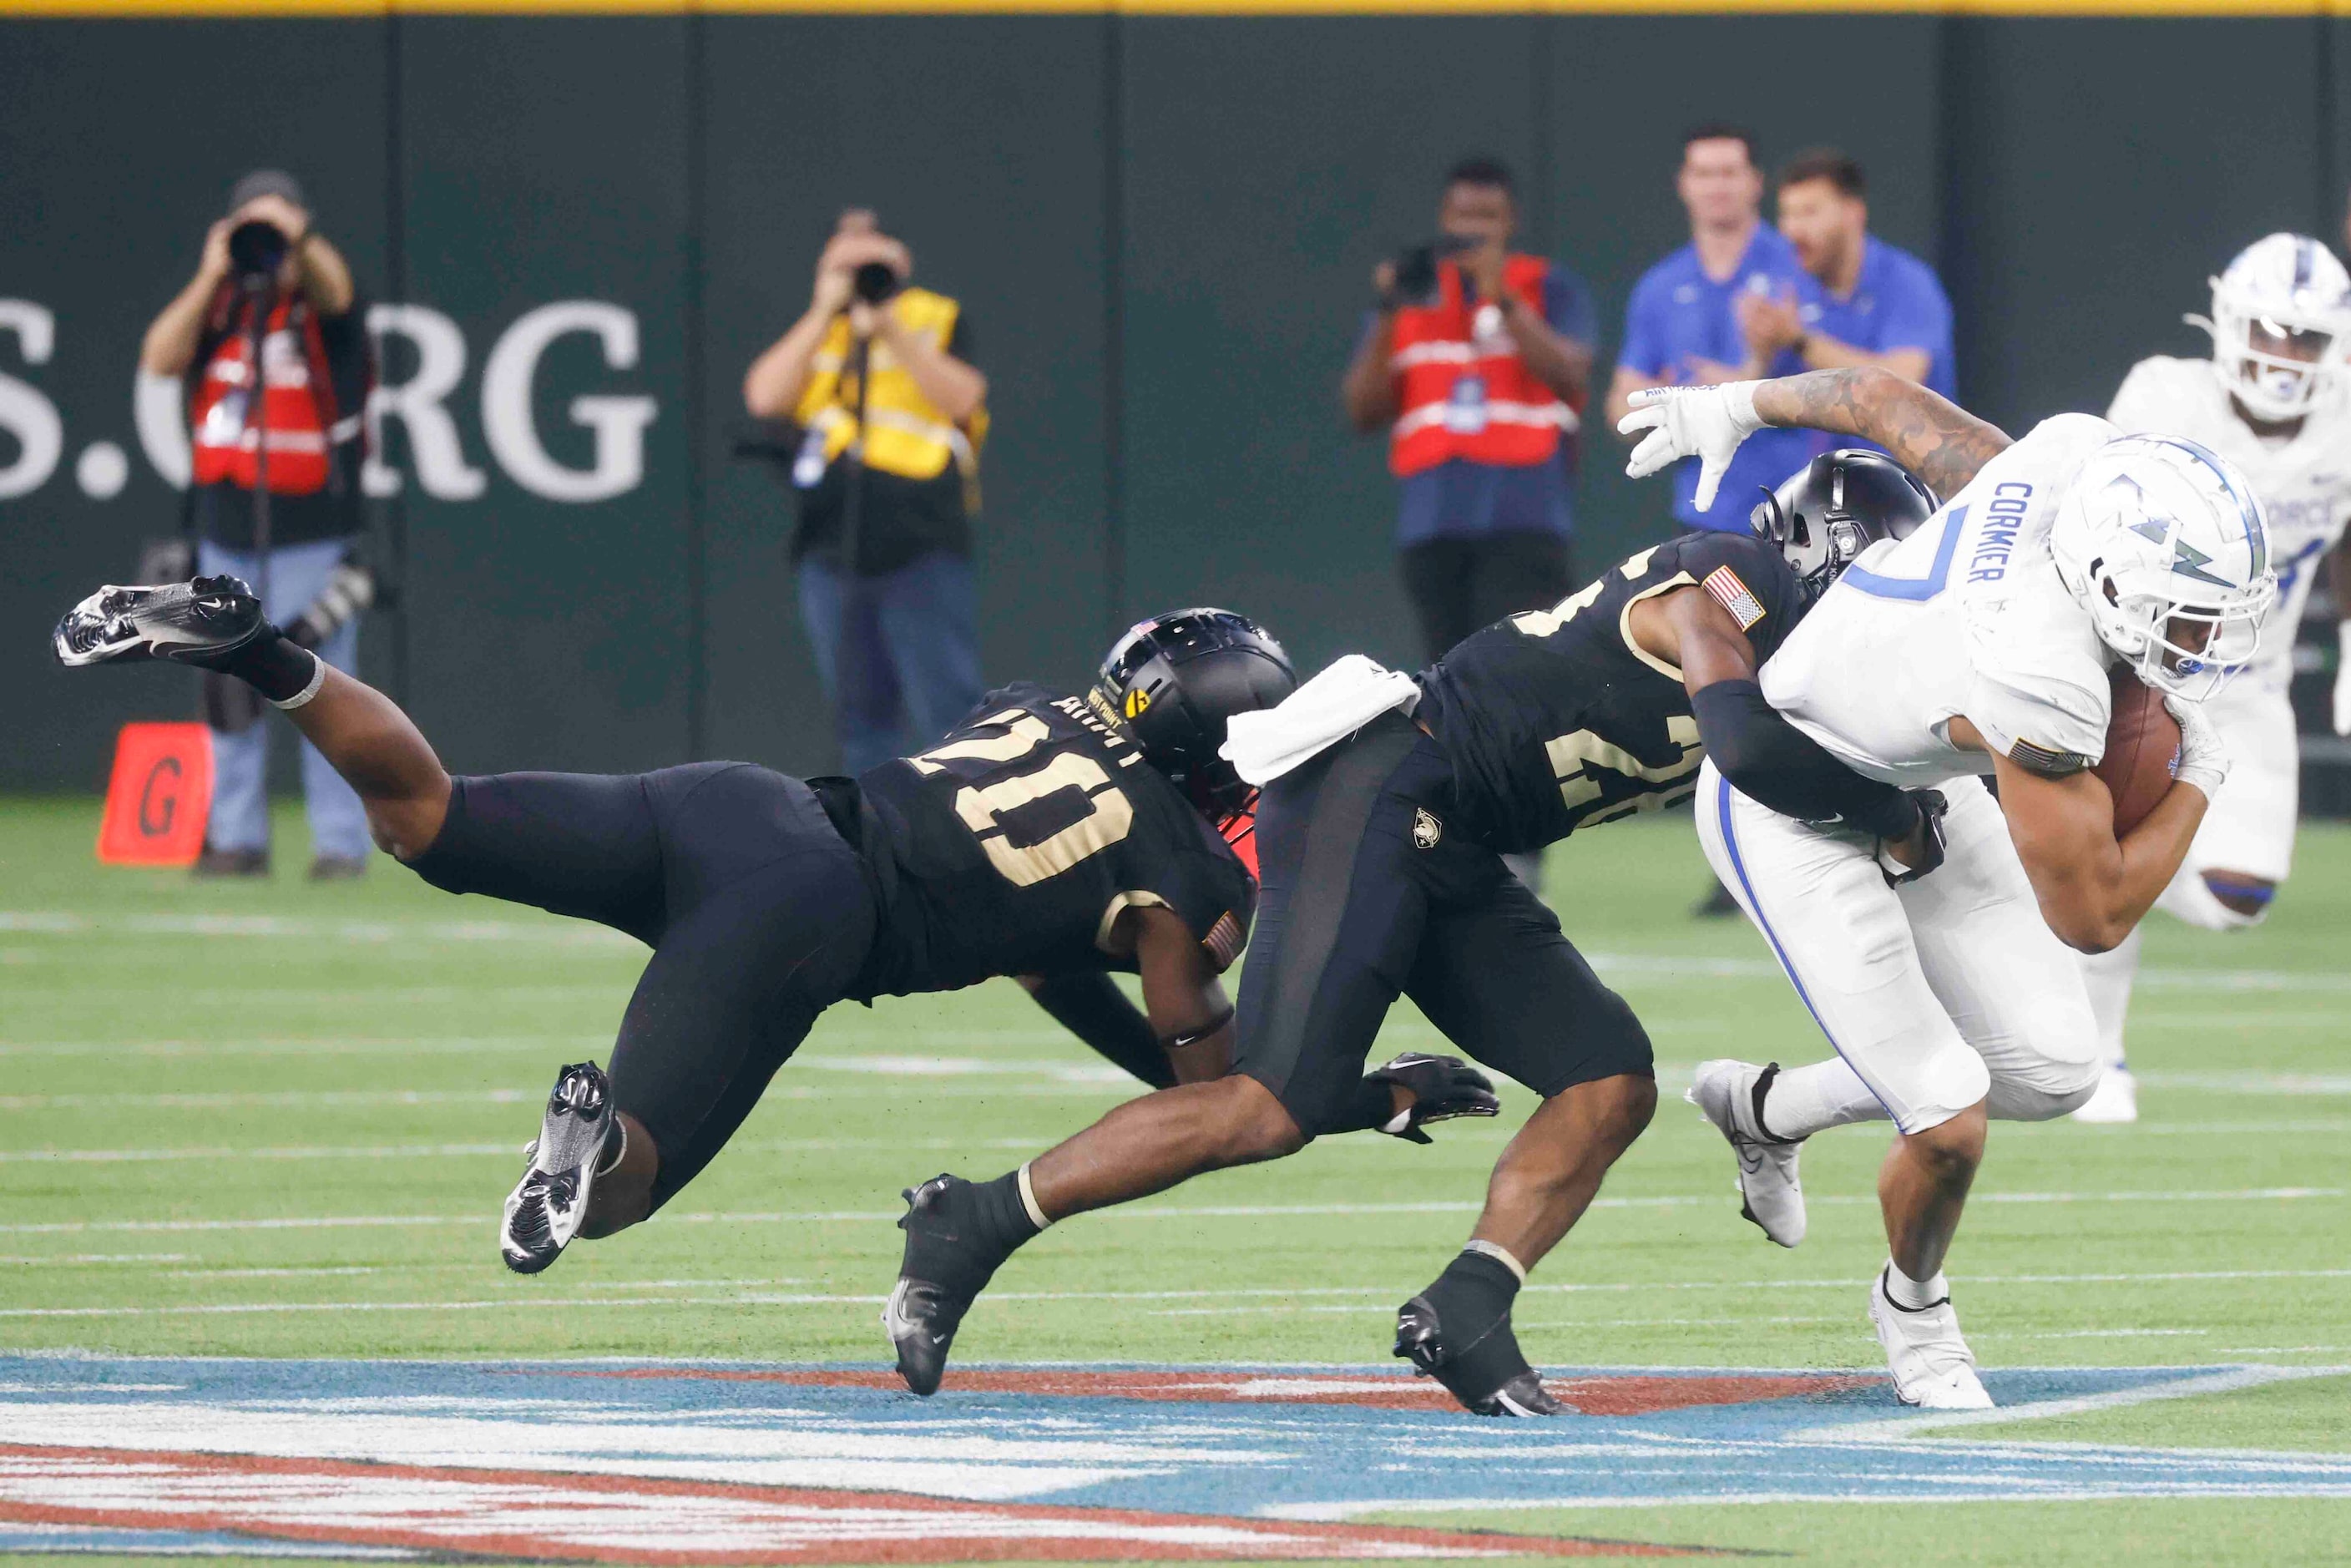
point(1381, 856)
point(1048, 836)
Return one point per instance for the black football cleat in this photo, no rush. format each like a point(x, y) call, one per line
point(195, 622)
point(544, 1211)
point(1443, 1087)
point(1489, 1376)
point(947, 1262)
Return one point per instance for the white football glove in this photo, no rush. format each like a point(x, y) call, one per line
point(2204, 760)
point(2343, 681)
point(1704, 423)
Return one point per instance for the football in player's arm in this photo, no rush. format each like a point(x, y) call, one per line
point(2273, 398)
point(2094, 889)
point(1984, 642)
point(1381, 838)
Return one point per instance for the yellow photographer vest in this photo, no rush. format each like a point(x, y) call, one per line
point(904, 434)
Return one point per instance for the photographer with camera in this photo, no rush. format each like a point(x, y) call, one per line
point(273, 486)
point(1477, 362)
point(886, 416)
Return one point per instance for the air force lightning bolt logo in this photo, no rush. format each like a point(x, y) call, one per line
point(2187, 560)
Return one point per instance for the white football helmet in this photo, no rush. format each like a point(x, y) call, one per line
point(2280, 325)
point(2158, 537)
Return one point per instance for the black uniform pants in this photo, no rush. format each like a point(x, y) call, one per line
point(757, 911)
point(1368, 893)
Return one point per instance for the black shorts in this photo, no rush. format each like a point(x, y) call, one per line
point(1367, 892)
point(759, 913)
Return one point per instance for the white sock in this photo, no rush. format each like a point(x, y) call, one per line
point(1803, 1100)
point(2109, 977)
point(1905, 1291)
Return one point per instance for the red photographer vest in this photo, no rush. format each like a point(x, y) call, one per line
point(303, 423)
point(1464, 397)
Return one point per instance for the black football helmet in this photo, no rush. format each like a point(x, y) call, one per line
point(1836, 507)
point(1173, 681)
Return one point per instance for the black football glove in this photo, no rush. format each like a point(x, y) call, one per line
point(1929, 834)
point(1442, 1088)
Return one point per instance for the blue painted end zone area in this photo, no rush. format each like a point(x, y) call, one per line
point(1292, 1443)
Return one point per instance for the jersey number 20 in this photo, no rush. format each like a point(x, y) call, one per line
point(996, 787)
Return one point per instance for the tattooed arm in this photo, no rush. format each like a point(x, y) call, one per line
point(1928, 433)
point(1936, 439)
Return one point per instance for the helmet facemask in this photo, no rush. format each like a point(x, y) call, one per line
point(2163, 545)
point(2276, 366)
point(2280, 326)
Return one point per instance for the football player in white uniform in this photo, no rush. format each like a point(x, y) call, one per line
point(2275, 401)
point(1980, 645)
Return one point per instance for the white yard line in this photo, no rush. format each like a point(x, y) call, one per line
point(1151, 1211)
point(1665, 966)
point(1910, 1427)
point(1479, 1507)
point(535, 1302)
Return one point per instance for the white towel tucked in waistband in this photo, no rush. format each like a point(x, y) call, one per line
point(1266, 744)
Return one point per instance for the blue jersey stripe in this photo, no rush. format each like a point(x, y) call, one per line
point(1739, 867)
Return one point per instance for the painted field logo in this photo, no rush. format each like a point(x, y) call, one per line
point(626, 1463)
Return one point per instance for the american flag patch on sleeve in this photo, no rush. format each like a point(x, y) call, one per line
point(1224, 940)
point(1734, 596)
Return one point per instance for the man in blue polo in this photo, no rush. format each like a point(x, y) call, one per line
point(1861, 301)
point(1682, 327)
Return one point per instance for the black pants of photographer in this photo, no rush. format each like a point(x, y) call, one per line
point(1460, 586)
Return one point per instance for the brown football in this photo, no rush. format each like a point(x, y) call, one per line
point(2142, 749)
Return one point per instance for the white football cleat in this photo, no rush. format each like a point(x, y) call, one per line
point(1933, 1368)
point(2115, 1098)
point(560, 1169)
point(1728, 1094)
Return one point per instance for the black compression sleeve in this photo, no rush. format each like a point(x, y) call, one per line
point(1089, 1005)
point(1777, 765)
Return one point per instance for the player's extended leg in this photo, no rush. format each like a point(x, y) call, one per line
point(1338, 922)
point(215, 624)
point(1496, 974)
point(760, 917)
point(1845, 939)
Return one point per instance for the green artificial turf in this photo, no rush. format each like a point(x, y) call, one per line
point(359, 1064)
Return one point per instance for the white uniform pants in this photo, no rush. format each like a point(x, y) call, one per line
point(2249, 827)
point(1937, 994)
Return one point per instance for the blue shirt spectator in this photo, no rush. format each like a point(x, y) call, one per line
point(1861, 301)
point(1683, 326)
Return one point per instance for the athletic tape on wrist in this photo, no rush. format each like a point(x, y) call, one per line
point(1028, 1200)
point(1500, 1254)
point(317, 679)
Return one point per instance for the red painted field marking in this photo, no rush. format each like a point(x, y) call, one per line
point(630, 1520)
point(1634, 1395)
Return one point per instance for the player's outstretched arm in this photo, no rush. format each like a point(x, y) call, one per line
point(1926, 433)
point(1182, 995)
point(1089, 1005)
point(2093, 888)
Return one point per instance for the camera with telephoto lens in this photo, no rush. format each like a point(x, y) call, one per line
point(1416, 269)
point(256, 249)
point(874, 282)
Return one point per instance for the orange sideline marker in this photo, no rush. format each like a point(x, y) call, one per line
point(159, 796)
